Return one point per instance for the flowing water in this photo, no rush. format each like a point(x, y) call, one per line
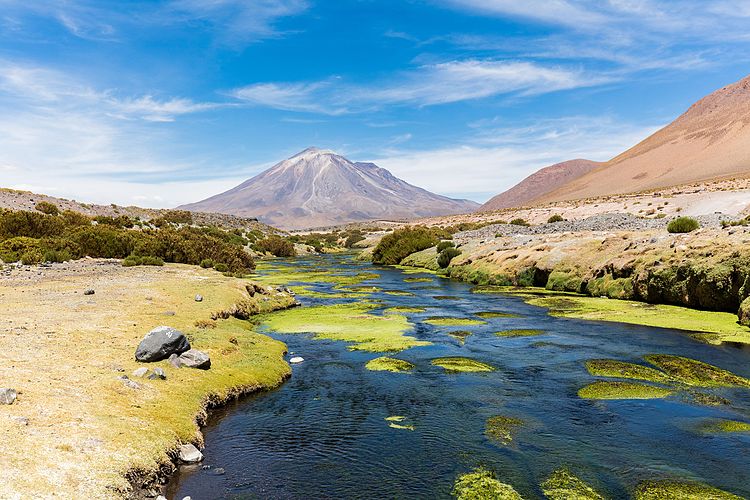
point(323, 434)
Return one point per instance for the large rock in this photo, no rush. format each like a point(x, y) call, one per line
point(194, 359)
point(8, 396)
point(160, 343)
point(744, 312)
point(190, 454)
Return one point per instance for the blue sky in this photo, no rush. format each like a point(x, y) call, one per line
point(158, 103)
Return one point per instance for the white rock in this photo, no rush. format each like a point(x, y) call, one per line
point(296, 359)
point(190, 454)
point(140, 372)
point(8, 396)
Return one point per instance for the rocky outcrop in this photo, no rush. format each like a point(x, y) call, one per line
point(160, 343)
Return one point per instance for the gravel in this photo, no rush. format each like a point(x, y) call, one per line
point(599, 222)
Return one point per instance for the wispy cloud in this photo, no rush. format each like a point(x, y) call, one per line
point(427, 85)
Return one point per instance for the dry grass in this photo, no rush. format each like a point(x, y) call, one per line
point(86, 431)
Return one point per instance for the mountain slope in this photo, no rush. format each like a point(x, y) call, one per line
point(539, 184)
point(711, 140)
point(320, 188)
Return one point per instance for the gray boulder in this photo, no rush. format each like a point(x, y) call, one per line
point(8, 396)
point(190, 454)
point(160, 343)
point(195, 359)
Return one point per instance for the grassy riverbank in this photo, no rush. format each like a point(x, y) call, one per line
point(76, 431)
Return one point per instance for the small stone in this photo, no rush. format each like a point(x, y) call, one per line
point(141, 372)
point(169, 313)
point(296, 359)
point(199, 298)
point(21, 420)
point(187, 498)
point(8, 396)
point(158, 375)
point(195, 359)
point(190, 454)
point(174, 360)
point(161, 497)
point(89, 291)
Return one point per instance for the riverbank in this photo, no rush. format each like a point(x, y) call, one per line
point(77, 430)
point(707, 271)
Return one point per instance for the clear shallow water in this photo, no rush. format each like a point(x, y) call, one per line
point(323, 434)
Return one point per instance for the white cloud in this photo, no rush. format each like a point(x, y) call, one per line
point(427, 85)
point(552, 11)
point(499, 157)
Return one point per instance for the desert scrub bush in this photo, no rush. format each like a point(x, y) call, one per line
point(56, 256)
point(519, 222)
point(102, 241)
point(394, 247)
point(146, 260)
point(353, 237)
point(275, 245)
point(13, 249)
point(443, 245)
point(222, 268)
point(683, 225)
point(121, 221)
point(30, 224)
point(31, 257)
point(444, 258)
point(177, 217)
point(555, 218)
point(71, 218)
point(207, 264)
point(47, 208)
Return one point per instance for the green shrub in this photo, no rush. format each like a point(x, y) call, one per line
point(178, 216)
point(207, 263)
point(222, 268)
point(555, 218)
point(56, 256)
point(275, 245)
point(30, 224)
point(445, 257)
point(443, 245)
point(121, 221)
point(103, 241)
point(31, 257)
point(71, 218)
point(394, 247)
point(13, 249)
point(519, 222)
point(47, 208)
point(353, 238)
point(683, 225)
point(136, 260)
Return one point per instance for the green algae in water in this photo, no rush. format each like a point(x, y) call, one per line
point(520, 333)
point(405, 309)
point(399, 293)
point(418, 280)
point(622, 390)
point(386, 364)
point(457, 364)
point(461, 335)
point(446, 297)
point(563, 485)
point(677, 490)
point(448, 321)
point(496, 314)
point(482, 484)
point(501, 428)
point(696, 373)
point(706, 399)
point(349, 323)
point(620, 369)
point(722, 426)
point(394, 423)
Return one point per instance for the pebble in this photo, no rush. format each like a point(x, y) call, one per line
point(296, 359)
point(199, 298)
point(140, 372)
point(8, 396)
point(89, 291)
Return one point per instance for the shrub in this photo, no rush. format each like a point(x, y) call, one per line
point(394, 247)
point(353, 238)
point(222, 268)
point(178, 216)
point(56, 256)
point(445, 257)
point(30, 224)
point(31, 257)
point(683, 225)
point(555, 218)
point(103, 241)
point(519, 222)
point(136, 260)
point(443, 245)
point(47, 208)
point(13, 249)
point(275, 245)
point(71, 218)
point(207, 263)
point(121, 221)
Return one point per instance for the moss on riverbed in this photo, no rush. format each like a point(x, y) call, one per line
point(696, 373)
point(675, 490)
point(405, 309)
point(457, 364)
point(482, 484)
point(622, 390)
point(563, 485)
point(448, 321)
point(460, 335)
point(621, 369)
point(501, 428)
point(418, 280)
point(724, 426)
point(496, 314)
point(386, 364)
point(520, 333)
point(349, 323)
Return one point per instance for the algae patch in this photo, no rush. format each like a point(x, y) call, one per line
point(496, 314)
point(620, 369)
point(418, 280)
point(386, 364)
point(724, 426)
point(696, 373)
point(501, 428)
point(674, 490)
point(520, 333)
point(622, 390)
point(394, 422)
point(563, 485)
point(349, 323)
point(460, 335)
point(448, 321)
point(459, 364)
point(399, 293)
point(482, 484)
point(405, 309)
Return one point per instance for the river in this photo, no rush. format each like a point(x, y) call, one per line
point(323, 434)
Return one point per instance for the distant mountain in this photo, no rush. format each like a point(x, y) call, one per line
point(539, 184)
point(320, 188)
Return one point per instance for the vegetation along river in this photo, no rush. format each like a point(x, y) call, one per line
point(337, 429)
